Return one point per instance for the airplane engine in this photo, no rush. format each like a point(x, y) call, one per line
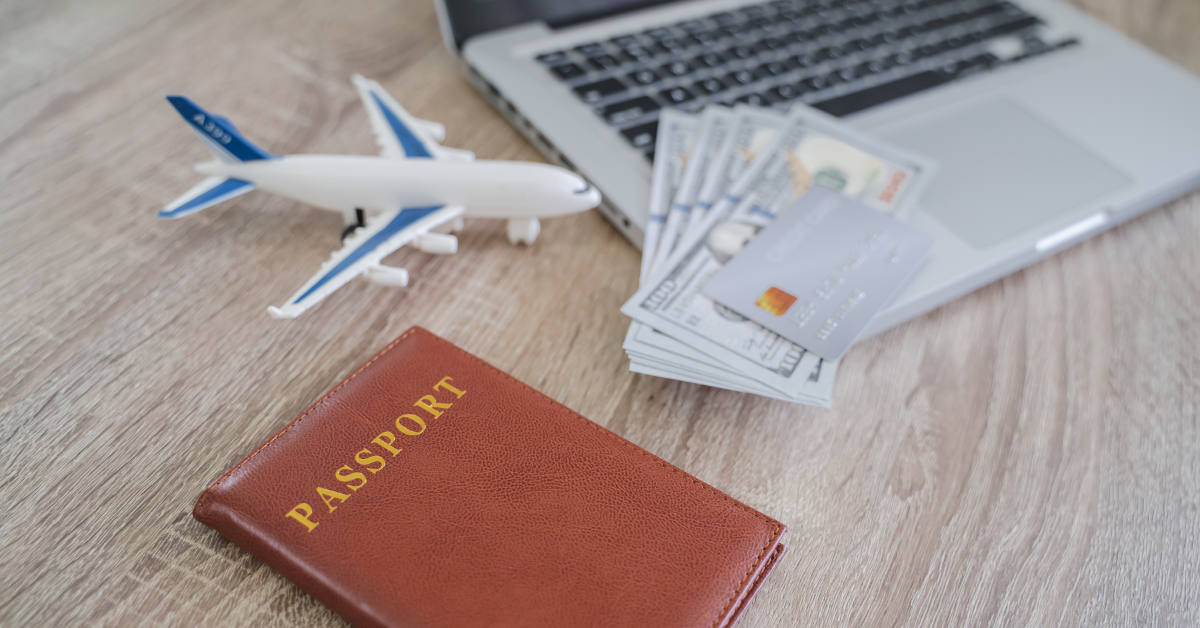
point(436, 129)
point(388, 276)
point(450, 227)
point(458, 154)
point(523, 230)
point(436, 243)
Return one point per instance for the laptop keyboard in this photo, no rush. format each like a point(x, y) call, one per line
point(840, 56)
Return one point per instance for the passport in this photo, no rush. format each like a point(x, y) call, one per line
point(430, 489)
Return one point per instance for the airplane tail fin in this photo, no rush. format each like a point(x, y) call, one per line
point(227, 144)
point(207, 193)
point(217, 132)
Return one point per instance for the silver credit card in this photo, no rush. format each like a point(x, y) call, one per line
point(820, 271)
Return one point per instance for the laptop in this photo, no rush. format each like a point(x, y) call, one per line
point(1048, 126)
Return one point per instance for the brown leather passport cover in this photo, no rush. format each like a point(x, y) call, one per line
point(431, 489)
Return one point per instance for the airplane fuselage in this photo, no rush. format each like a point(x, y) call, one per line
point(491, 189)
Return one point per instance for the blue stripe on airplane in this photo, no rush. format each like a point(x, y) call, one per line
point(412, 146)
point(211, 196)
point(218, 129)
point(405, 218)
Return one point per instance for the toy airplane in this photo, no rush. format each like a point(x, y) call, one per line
point(414, 187)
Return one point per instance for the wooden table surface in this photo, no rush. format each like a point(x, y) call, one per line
point(1029, 454)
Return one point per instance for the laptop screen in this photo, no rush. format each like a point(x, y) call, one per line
point(473, 17)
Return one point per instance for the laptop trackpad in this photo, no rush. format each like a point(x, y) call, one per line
point(1004, 171)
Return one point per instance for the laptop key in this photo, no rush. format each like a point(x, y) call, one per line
point(855, 45)
point(850, 103)
point(836, 76)
point(874, 66)
point(903, 57)
point(769, 69)
point(595, 92)
point(627, 110)
point(796, 37)
point(771, 43)
point(708, 86)
point(820, 31)
point(933, 25)
point(625, 41)
point(676, 68)
point(783, 93)
point(755, 100)
point(741, 77)
point(741, 51)
point(829, 52)
point(788, 14)
point(985, 11)
point(753, 11)
point(637, 54)
point(759, 23)
point(1012, 27)
point(844, 75)
point(659, 33)
point(567, 71)
point(671, 45)
point(723, 18)
point(736, 31)
point(885, 37)
point(927, 50)
point(604, 62)
point(676, 95)
point(707, 60)
point(642, 136)
point(951, 68)
point(553, 58)
point(802, 60)
point(644, 77)
point(702, 38)
point(590, 50)
point(814, 83)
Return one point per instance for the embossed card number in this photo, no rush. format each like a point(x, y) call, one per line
point(820, 271)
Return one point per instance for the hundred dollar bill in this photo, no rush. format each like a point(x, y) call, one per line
point(753, 131)
point(650, 346)
point(818, 392)
point(679, 131)
point(812, 150)
point(667, 370)
point(676, 138)
point(675, 141)
point(715, 125)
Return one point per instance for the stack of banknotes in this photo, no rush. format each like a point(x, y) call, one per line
point(720, 177)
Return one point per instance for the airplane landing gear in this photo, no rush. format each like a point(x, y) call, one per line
point(359, 220)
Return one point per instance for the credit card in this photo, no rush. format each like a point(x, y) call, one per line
point(819, 272)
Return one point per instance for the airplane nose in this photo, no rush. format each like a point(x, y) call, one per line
point(592, 198)
point(588, 196)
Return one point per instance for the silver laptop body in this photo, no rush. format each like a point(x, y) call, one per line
point(1048, 126)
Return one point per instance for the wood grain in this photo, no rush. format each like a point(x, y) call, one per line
point(1029, 454)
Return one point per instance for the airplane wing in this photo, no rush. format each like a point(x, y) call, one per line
point(363, 251)
point(399, 134)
